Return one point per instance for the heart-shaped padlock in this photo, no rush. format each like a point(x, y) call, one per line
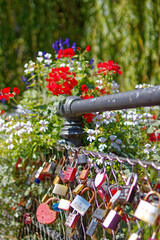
point(44, 214)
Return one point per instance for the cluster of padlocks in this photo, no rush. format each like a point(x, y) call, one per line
point(81, 188)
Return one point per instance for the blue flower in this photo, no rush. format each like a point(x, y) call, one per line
point(66, 42)
point(24, 79)
point(74, 46)
point(91, 63)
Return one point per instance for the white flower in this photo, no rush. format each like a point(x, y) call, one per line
point(90, 138)
point(97, 120)
point(118, 141)
point(40, 53)
point(40, 59)
point(11, 146)
point(99, 161)
point(62, 65)
point(101, 147)
point(48, 60)
point(113, 137)
point(43, 122)
point(43, 129)
point(102, 139)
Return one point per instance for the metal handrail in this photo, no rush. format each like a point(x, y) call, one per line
point(75, 106)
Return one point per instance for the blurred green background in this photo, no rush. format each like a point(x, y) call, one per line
point(126, 31)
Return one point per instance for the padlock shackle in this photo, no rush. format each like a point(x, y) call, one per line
point(135, 178)
point(93, 194)
point(50, 199)
point(152, 193)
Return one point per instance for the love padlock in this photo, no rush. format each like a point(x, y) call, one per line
point(81, 158)
point(146, 211)
point(80, 204)
point(44, 214)
point(84, 173)
point(137, 235)
point(92, 227)
point(71, 172)
point(60, 190)
point(99, 179)
point(128, 191)
point(100, 213)
point(72, 219)
point(113, 218)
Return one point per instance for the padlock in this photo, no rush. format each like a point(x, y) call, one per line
point(60, 189)
point(44, 214)
point(60, 165)
point(137, 235)
point(78, 188)
point(92, 227)
point(62, 176)
point(99, 179)
point(153, 237)
point(71, 172)
point(46, 196)
point(100, 213)
point(81, 158)
point(146, 211)
point(56, 180)
point(39, 176)
point(27, 219)
point(64, 204)
point(49, 168)
point(80, 204)
point(128, 191)
point(113, 219)
point(84, 173)
point(29, 204)
point(103, 195)
point(72, 219)
point(55, 206)
point(146, 185)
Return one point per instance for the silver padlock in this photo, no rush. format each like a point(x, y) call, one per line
point(137, 235)
point(146, 211)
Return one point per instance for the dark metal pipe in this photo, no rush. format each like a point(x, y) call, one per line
point(132, 99)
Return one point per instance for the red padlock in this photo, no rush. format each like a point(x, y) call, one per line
point(27, 219)
point(71, 172)
point(44, 214)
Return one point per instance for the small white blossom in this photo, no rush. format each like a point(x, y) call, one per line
point(40, 53)
point(90, 138)
point(48, 60)
point(11, 146)
point(113, 137)
point(102, 139)
point(40, 59)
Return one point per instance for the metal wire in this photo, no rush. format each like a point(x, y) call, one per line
point(113, 157)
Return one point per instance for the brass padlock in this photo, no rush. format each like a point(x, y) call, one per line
point(46, 196)
point(60, 189)
point(56, 180)
point(146, 211)
point(49, 168)
point(78, 189)
point(113, 218)
point(80, 204)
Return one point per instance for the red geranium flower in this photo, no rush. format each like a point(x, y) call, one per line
point(88, 48)
point(84, 88)
point(78, 49)
point(88, 117)
point(16, 90)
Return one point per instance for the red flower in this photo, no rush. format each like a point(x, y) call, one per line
point(6, 90)
point(88, 48)
point(67, 53)
point(16, 90)
point(152, 137)
point(109, 66)
point(78, 49)
point(88, 117)
point(84, 88)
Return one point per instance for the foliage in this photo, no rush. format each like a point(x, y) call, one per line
point(31, 137)
point(126, 31)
